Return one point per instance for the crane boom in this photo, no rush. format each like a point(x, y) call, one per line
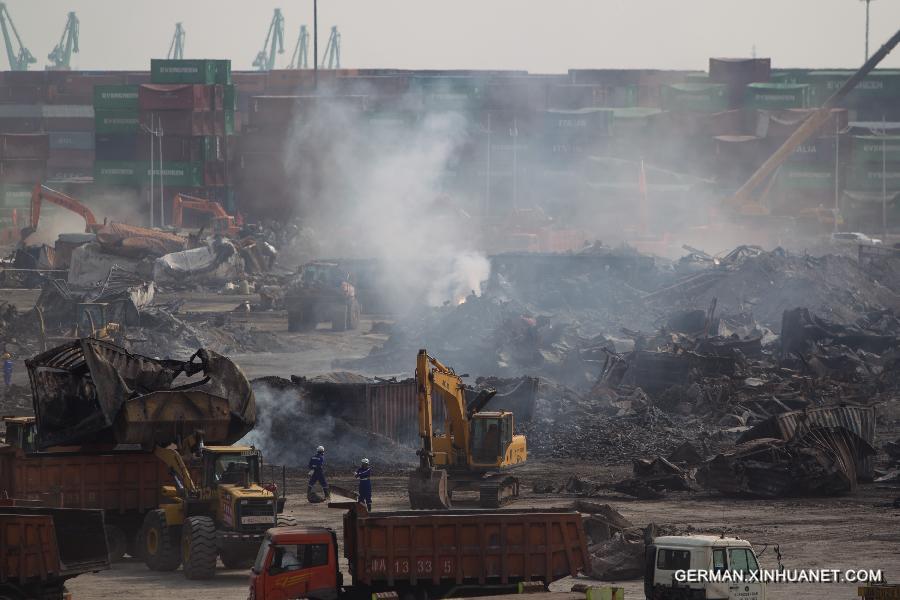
point(176, 47)
point(300, 56)
point(61, 55)
point(265, 59)
point(332, 57)
point(18, 61)
point(809, 127)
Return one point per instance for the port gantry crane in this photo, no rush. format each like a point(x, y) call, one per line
point(61, 56)
point(265, 60)
point(300, 56)
point(332, 56)
point(176, 46)
point(18, 61)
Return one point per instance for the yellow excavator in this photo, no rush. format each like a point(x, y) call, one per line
point(473, 452)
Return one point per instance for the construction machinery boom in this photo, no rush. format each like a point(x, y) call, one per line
point(300, 56)
point(61, 56)
point(473, 449)
point(742, 199)
point(265, 59)
point(332, 57)
point(42, 193)
point(176, 46)
point(18, 60)
point(222, 222)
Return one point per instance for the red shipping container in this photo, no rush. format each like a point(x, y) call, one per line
point(137, 78)
point(26, 171)
point(38, 78)
point(152, 97)
point(249, 82)
point(215, 174)
point(218, 97)
point(24, 145)
point(82, 84)
point(68, 124)
point(180, 122)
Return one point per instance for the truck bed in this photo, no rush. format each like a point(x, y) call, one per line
point(464, 546)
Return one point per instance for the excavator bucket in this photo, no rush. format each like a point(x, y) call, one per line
point(428, 490)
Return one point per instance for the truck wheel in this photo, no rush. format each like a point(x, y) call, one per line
point(198, 547)
point(161, 551)
point(116, 543)
point(284, 521)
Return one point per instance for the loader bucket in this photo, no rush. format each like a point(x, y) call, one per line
point(428, 490)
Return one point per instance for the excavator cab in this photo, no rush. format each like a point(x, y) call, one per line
point(492, 434)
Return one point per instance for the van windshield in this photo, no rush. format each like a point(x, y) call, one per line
point(261, 555)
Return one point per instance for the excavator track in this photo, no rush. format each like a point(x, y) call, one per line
point(497, 490)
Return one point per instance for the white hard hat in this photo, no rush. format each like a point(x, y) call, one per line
point(365, 461)
point(320, 449)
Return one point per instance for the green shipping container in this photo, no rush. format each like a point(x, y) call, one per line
point(223, 71)
point(135, 173)
point(695, 97)
point(183, 71)
point(116, 121)
point(772, 96)
point(872, 149)
point(788, 75)
point(229, 122)
point(878, 85)
point(179, 174)
point(805, 177)
point(117, 172)
point(15, 196)
point(116, 97)
point(229, 97)
point(868, 178)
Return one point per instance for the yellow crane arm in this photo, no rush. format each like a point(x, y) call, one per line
point(432, 375)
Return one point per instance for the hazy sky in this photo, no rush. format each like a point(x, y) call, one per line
point(536, 35)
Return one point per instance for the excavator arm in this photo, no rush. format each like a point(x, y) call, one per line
point(172, 459)
point(42, 193)
point(434, 378)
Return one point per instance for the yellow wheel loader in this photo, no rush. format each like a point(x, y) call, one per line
point(224, 514)
point(473, 452)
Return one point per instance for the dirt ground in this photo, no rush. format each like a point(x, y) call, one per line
point(856, 531)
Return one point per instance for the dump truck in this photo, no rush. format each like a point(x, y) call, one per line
point(183, 417)
point(431, 554)
point(125, 485)
point(322, 291)
point(41, 548)
point(708, 553)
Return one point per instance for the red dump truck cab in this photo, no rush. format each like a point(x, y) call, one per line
point(296, 562)
point(438, 553)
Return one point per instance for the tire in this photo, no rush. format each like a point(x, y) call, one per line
point(354, 314)
point(199, 548)
point(116, 543)
point(160, 548)
point(285, 521)
point(340, 319)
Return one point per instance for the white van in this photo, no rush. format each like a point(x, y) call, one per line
point(707, 553)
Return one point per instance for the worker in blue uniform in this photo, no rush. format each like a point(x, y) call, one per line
point(317, 471)
point(364, 474)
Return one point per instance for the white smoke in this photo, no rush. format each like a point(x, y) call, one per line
point(375, 186)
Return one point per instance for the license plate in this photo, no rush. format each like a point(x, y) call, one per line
point(251, 520)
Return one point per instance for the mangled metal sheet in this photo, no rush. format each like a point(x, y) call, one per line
point(220, 260)
point(858, 420)
point(818, 461)
point(90, 391)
